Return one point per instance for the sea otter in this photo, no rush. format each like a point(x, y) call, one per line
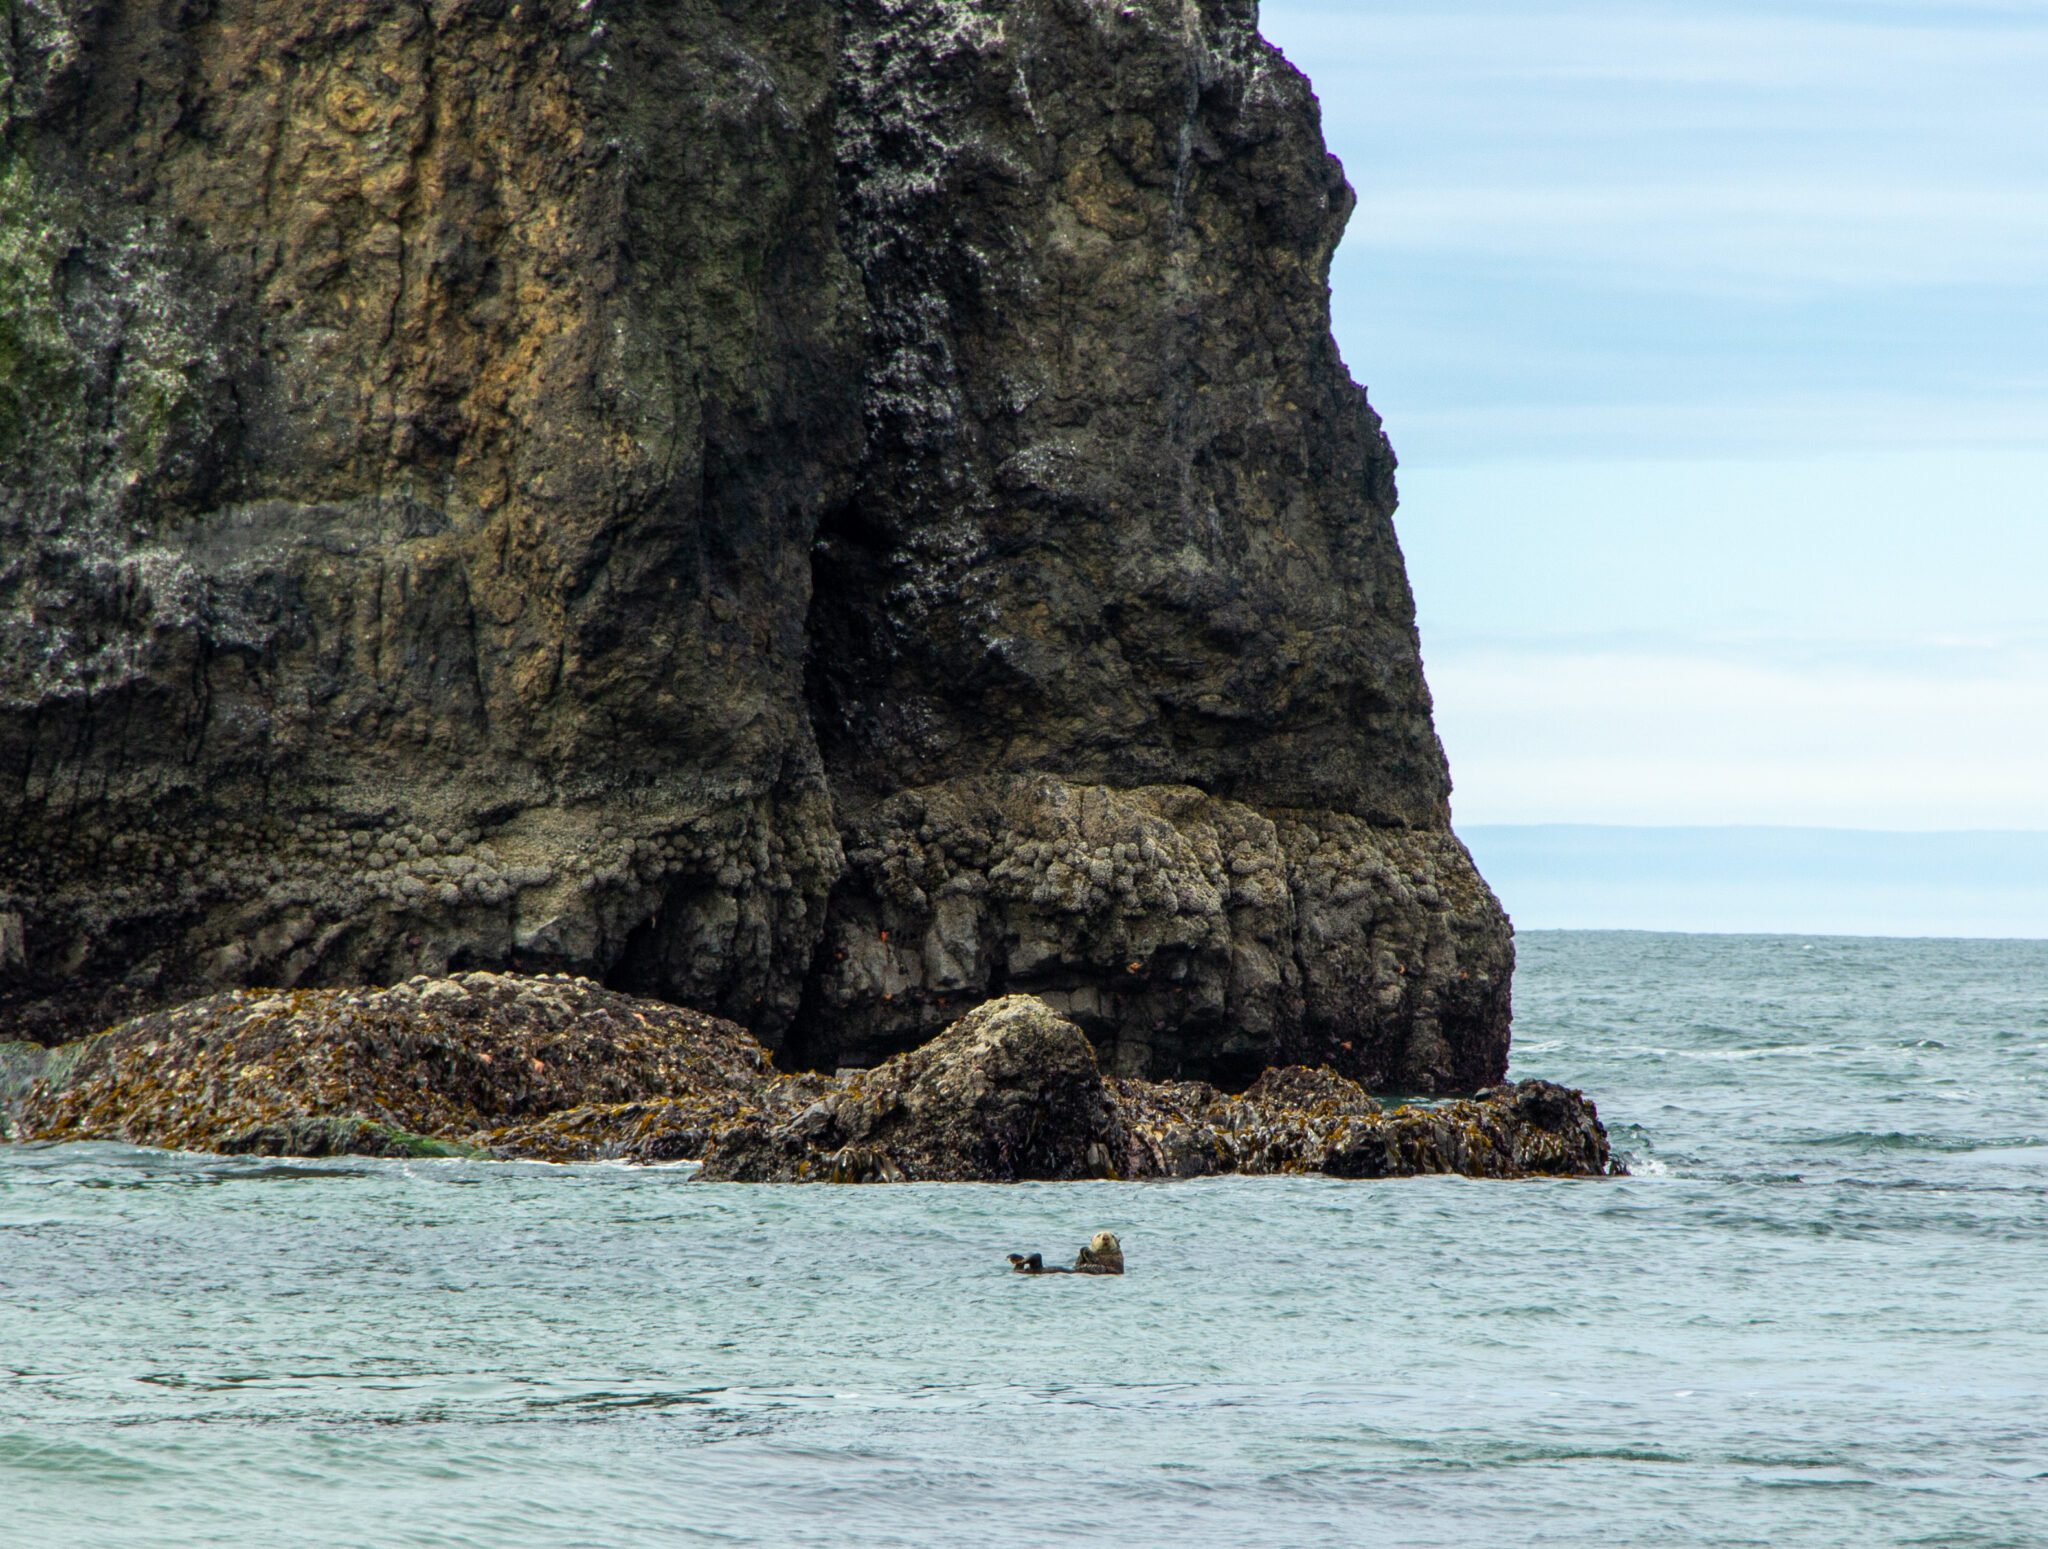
point(1104, 1255)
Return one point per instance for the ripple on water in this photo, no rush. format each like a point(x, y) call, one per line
point(1811, 1317)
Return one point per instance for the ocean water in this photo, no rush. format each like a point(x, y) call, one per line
point(1817, 1315)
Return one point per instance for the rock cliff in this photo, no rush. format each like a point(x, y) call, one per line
point(820, 511)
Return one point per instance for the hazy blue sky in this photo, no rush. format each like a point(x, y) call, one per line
point(1714, 340)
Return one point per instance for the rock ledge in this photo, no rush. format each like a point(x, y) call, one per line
point(560, 1069)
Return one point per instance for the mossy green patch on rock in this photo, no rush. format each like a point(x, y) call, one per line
point(39, 366)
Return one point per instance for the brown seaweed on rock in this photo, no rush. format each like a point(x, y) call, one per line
point(443, 1058)
point(560, 1069)
point(1012, 1091)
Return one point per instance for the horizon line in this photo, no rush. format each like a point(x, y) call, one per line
point(1757, 935)
point(1800, 828)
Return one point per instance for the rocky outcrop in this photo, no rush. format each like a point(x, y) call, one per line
point(1011, 1091)
point(418, 425)
point(445, 1059)
point(1187, 934)
point(562, 1070)
point(822, 513)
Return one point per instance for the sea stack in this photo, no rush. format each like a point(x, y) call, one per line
point(822, 513)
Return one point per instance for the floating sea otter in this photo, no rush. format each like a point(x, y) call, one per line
point(1104, 1255)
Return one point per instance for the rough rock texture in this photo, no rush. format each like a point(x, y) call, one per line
point(1189, 935)
point(1010, 1091)
point(440, 1058)
point(821, 511)
point(562, 1070)
point(415, 424)
point(1013, 1091)
point(1297, 1120)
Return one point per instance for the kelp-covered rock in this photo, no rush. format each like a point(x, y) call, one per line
point(655, 1130)
point(1010, 1091)
point(1299, 1120)
point(439, 1058)
point(1013, 1091)
point(562, 1070)
point(534, 487)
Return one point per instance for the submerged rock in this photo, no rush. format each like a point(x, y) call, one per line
point(341, 1137)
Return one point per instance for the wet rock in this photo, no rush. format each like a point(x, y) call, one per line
point(21, 1064)
point(654, 1132)
point(1011, 1091)
point(440, 1058)
point(1532, 1129)
point(559, 1069)
point(341, 1137)
point(1297, 1120)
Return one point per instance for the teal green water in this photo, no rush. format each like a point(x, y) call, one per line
point(1816, 1316)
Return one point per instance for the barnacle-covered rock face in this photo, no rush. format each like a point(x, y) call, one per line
point(1189, 935)
point(823, 512)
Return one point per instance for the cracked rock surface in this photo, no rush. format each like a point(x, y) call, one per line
point(822, 512)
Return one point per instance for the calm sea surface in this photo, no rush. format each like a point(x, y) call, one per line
point(1817, 1315)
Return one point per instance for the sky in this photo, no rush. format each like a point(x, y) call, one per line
point(1777, 881)
point(1713, 339)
